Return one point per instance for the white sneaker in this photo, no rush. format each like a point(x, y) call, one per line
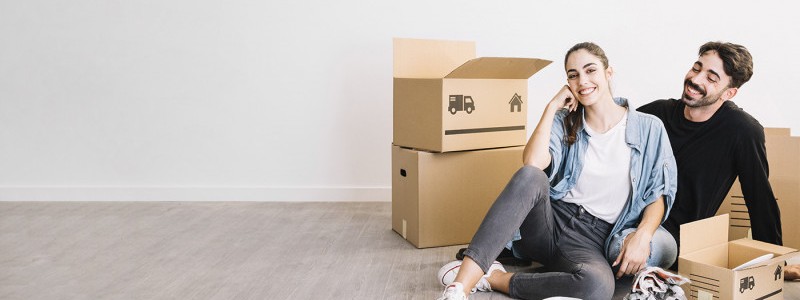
point(447, 275)
point(454, 291)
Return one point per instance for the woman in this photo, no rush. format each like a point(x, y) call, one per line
point(598, 180)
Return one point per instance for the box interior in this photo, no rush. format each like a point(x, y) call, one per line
point(739, 254)
point(716, 255)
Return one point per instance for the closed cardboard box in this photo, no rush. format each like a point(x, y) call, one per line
point(440, 199)
point(783, 155)
point(722, 269)
point(445, 99)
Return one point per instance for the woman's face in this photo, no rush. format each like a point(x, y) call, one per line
point(587, 77)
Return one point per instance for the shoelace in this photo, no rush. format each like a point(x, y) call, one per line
point(448, 292)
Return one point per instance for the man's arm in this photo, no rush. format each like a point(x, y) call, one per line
point(753, 172)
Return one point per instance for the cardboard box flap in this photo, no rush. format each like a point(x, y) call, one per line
point(704, 233)
point(416, 58)
point(499, 68)
point(777, 131)
point(772, 248)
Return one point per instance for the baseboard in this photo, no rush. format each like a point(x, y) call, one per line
point(266, 194)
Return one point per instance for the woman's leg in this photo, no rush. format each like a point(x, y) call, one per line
point(592, 280)
point(578, 265)
point(525, 198)
point(663, 248)
point(500, 281)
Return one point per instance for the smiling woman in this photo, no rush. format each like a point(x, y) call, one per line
point(575, 118)
point(588, 158)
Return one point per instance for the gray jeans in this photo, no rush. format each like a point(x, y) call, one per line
point(563, 236)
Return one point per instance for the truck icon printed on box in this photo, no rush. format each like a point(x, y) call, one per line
point(461, 103)
point(746, 283)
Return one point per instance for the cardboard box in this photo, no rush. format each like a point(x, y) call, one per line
point(708, 259)
point(783, 154)
point(445, 99)
point(440, 199)
point(784, 177)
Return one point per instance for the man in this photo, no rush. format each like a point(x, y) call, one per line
point(714, 141)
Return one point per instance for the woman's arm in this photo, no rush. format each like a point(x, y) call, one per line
point(536, 150)
point(636, 248)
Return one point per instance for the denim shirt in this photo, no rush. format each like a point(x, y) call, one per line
point(653, 170)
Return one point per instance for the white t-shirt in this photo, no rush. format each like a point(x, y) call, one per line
point(604, 184)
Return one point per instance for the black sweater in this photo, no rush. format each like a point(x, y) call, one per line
point(710, 155)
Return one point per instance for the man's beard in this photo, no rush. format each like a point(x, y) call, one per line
point(706, 100)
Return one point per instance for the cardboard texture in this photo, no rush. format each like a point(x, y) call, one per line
point(783, 154)
point(446, 100)
point(440, 199)
point(707, 258)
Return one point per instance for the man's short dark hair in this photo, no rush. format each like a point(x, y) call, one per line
point(736, 60)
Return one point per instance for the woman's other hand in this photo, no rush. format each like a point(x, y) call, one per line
point(634, 254)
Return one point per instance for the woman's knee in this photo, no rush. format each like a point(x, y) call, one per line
point(531, 174)
point(595, 282)
point(532, 171)
point(528, 183)
point(663, 249)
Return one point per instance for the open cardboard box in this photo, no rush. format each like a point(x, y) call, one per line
point(446, 100)
point(708, 259)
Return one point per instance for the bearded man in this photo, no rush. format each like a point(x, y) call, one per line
point(714, 141)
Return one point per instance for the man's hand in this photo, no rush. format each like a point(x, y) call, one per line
point(634, 253)
point(791, 272)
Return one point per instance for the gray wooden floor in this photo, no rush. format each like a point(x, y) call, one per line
point(201, 250)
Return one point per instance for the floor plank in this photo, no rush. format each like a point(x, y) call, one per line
point(227, 250)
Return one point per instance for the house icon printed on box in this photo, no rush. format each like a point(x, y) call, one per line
point(516, 102)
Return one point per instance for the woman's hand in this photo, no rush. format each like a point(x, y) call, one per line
point(634, 253)
point(564, 98)
point(536, 151)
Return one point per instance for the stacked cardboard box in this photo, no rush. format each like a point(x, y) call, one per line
point(783, 155)
point(459, 127)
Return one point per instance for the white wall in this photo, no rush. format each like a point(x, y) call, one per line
point(291, 100)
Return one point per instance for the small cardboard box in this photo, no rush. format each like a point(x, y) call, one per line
point(445, 99)
point(440, 199)
point(783, 154)
point(709, 260)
